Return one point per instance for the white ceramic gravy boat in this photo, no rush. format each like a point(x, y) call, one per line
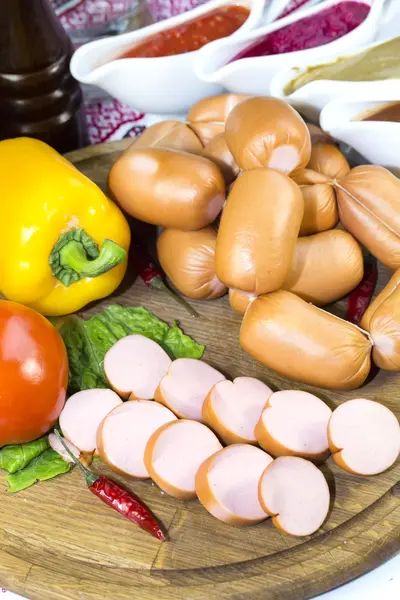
point(157, 85)
point(314, 96)
point(377, 141)
point(254, 75)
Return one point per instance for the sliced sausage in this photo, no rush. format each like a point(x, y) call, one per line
point(295, 494)
point(305, 343)
point(174, 454)
point(217, 150)
point(320, 208)
point(227, 484)
point(364, 437)
point(188, 259)
point(369, 207)
point(391, 289)
point(233, 408)
point(185, 387)
point(134, 367)
point(123, 435)
point(174, 135)
point(325, 267)
point(294, 423)
point(257, 234)
point(327, 159)
point(168, 187)
point(56, 444)
point(239, 300)
point(83, 414)
point(267, 132)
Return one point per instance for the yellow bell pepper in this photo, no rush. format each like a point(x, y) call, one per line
point(63, 242)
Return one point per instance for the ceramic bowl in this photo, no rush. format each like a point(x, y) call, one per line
point(157, 85)
point(377, 141)
point(314, 96)
point(254, 75)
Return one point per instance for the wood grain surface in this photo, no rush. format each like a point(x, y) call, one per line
point(58, 542)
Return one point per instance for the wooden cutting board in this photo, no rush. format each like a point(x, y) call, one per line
point(58, 542)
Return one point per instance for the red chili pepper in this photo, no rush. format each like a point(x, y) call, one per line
point(360, 298)
point(119, 498)
point(152, 276)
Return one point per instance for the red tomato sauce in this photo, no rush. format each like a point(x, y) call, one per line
point(310, 32)
point(191, 35)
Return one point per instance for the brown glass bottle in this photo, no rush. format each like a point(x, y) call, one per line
point(38, 96)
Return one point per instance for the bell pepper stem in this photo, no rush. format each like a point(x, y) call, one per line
point(73, 255)
point(76, 255)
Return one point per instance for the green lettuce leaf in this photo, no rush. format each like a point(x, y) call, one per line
point(18, 456)
point(46, 466)
point(88, 340)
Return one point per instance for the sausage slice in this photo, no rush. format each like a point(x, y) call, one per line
point(227, 484)
point(364, 437)
point(185, 387)
point(294, 423)
point(134, 367)
point(174, 454)
point(124, 433)
point(233, 408)
point(82, 415)
point(295, 494)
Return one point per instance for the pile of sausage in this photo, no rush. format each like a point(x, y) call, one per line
point(273, 441)
point(250, 198)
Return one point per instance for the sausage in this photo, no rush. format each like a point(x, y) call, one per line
point(168, 187)
point(207, 117)
point(217, 150)
point(134, 367)
point(239, 300)
point(257, 233)
point(174, 454)
point(305, 343)
point(214, 108)
point(325, 267)
point(294, 423)
point(320, 208)
point(391, 289)
point(327, 159)
point(382, 320)
point(174, 135)
point(185, 387)
point(369, 207)
point(227, 484)
point(83, 414)
point(206, 132)
point(318, 135)
point(364, 437)
point(123, 435)
point(295, 494)
point(232, 409)
point(188, 259)
point(267, 132)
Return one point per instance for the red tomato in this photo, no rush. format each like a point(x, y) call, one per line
point(33, 374)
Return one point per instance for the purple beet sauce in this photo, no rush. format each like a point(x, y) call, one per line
point(320, 29)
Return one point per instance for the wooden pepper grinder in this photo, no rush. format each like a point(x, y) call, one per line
point(38, 96)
